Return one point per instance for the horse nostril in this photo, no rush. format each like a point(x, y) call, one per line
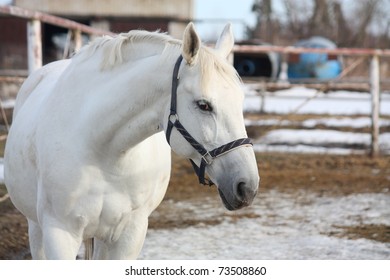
point(245, 193)
point(240, 191)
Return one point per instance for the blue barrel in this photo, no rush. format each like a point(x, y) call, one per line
point(314, 65)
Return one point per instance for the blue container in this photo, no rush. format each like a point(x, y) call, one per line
point(314, 65)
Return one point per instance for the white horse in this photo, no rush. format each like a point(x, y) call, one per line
point(86, 156)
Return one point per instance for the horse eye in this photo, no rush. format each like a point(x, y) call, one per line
point(204, 106)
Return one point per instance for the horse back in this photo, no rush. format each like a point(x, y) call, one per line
point(49, 71)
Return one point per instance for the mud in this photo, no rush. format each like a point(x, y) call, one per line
point(324, 175)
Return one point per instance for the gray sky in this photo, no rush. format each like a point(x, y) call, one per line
point(216, 13)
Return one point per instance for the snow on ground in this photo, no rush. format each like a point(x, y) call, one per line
point(333, 103)
point(319, 141)
point(359, 122)
point(8, 104)
point(281, 226)
point(342, 104)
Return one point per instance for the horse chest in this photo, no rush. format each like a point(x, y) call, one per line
point(106, 216)
point(112, 210)
point(112, 219)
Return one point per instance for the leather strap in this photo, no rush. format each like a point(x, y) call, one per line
point(207, 156)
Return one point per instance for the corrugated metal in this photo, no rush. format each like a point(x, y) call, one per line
point(178, 9)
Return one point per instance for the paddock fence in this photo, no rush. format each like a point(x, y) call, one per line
point(75, 29)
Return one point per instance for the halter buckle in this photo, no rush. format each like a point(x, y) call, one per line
point(207, 158)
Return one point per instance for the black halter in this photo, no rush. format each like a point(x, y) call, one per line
point(207, 156)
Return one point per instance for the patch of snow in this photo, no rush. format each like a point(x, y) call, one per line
point(344, 122)
point(318, 141)
point(360, 122)
point(285, 226)
point(311, 102)
point(303, 149)
point(314, 137)
point(8, 104)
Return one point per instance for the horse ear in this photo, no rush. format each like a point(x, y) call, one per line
point(225, 42)
point(191, 44)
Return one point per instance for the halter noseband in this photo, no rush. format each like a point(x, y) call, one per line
point(207, 156)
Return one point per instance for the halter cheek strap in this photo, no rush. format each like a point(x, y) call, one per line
point(173, 117)
point(207, 156)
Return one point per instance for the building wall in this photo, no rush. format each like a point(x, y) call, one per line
point(119, 25)
point(177, 9)
point(13, 42)
point(115, 15)
point(169, 16)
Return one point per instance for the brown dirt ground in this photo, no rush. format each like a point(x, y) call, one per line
point(326, 175)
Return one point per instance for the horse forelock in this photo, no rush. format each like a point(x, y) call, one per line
point(212, 66)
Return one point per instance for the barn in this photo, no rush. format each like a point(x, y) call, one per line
point(115, 15)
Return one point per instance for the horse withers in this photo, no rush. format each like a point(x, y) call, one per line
point(87, 157)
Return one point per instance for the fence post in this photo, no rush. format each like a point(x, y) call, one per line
point(78, 43)
point(375, 92)
point(34, 45)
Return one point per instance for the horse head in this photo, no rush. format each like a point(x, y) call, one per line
point(205, 120)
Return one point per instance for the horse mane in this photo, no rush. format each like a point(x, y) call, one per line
point(115, 52)
point(113, 48)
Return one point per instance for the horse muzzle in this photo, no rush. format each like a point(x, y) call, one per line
point(241, 194)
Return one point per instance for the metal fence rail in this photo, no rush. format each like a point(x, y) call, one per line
point(54, 20)
point(35, 53)
point(374, 74)
point(298, 50)
point(34, 33)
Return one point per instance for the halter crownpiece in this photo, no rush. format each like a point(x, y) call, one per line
point(207, 156)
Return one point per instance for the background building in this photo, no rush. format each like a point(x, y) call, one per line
point(115, 15)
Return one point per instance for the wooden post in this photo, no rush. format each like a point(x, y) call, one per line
point(375, 92)
point(78, 43)
point(34, 45)
point(262, 92)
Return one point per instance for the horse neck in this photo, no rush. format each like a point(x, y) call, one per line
point(135, 109)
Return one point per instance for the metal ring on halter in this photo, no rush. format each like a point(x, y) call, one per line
point(173, 118)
